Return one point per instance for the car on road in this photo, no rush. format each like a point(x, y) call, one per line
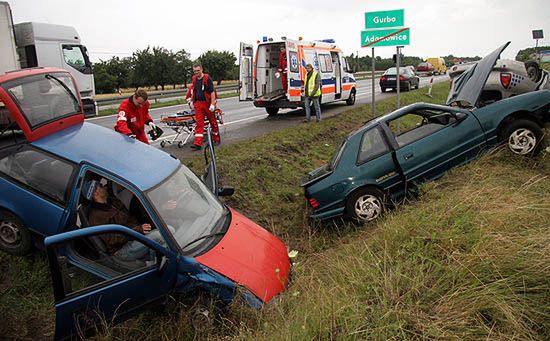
point(425, 68)
point(45, 202)
point(407, 79)
point(390, 155)
point(508, 78)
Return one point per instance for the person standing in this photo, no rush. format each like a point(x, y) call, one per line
point(312, 93)
point(202, 98)
point(283, 68)
point(133, 115)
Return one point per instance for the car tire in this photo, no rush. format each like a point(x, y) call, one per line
point(383, 89)
point(366, 204)
point(351, 99)
point(162, 144)
point(15, 238)
point(533, 71)
point(408, 86)
point(272, 111)
point(523, 137)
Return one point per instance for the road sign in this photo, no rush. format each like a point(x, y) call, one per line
point(382, 19)
point(537, 34)
point(386, 37)
point(545, 56)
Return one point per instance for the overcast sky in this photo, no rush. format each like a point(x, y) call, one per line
point(438, 28)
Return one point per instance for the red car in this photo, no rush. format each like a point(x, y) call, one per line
point(425, 68)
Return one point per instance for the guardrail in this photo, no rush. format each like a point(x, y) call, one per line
point(156, 95)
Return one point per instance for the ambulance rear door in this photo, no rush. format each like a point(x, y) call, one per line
point(246, 72)
point(293, 66)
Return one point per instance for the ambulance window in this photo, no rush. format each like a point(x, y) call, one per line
point(325, 63)
point(294, 66)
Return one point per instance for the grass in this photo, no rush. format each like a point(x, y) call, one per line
point(468, 259)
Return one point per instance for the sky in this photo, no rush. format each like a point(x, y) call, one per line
point(437, 28)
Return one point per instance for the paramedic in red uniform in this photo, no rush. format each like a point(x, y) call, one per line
point(202, 98)
point(282, 68)
point(133, 115)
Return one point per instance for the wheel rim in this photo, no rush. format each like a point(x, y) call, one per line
point(368, 207)
point(352, 100)
point(522, 141)
point(9, 232)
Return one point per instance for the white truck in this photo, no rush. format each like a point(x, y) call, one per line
point(31, 44)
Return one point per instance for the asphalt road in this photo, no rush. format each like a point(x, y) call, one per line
point(244, 121)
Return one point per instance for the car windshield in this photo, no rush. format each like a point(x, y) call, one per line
point(44, 98)
point(190, 211)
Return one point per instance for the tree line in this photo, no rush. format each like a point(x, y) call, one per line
point(365, 63)
point(157, 67)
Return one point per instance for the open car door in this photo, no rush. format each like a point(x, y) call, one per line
point(246, 72)
point(41, 101)
point(91, 290)
point(210, 176)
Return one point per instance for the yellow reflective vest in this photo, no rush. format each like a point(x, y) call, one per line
point(311, 85)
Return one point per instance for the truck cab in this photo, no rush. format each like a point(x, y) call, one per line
point(260, 80)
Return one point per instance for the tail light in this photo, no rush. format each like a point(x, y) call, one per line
point(383, 78)
point(313, 203)
point(505, 79)
point(401, 78)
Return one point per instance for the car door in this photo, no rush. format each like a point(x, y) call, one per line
point(433, 147)
point(293, 68)
point(90, 290)
point(210, 176)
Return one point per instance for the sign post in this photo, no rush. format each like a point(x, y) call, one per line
point(537, 34)
point(385, 28)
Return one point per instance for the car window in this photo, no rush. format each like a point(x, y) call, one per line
point(325, 63)
point(416, 125)
point(372, 145)
point(38, 171)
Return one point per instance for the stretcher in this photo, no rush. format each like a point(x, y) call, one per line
point(184, 123)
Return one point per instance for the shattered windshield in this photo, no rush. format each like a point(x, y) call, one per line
point(188, 208)
point(44, 98)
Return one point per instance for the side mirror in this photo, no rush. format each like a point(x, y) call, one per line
point(226, 191)
point(460, 116)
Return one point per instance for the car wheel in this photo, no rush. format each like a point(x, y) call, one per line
point(409, 86)
point(162, 144)
point(523, 137)
point(180, 144)
point(272, 111)
point(533, 71)
point(366, 204)
point(15, 238)
point(383, 89)
point(351, 99)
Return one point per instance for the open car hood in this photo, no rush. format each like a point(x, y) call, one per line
point(468, 86)
point(250, 256)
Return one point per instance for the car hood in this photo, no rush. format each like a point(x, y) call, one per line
point(466, 89)
point(250, 256)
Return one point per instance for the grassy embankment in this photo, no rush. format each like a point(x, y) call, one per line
point(468, 259)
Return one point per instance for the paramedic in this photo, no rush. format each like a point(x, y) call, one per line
point(109, 210)
point(312, 92)
point(282, 68)
point(202, 98)
point(133, 115)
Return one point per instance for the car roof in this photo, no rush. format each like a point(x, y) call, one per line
point(10, 75)
point(142, 165)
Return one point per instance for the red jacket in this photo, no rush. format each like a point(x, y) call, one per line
point(282, 61)
point(207, 95)
point(132, 119)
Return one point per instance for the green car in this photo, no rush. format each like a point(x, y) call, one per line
point(394, 153)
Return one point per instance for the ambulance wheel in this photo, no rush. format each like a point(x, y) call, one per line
point(272, 111)
point(533, 70)
point(162, 144)
point(351, 99)
point(180, 144)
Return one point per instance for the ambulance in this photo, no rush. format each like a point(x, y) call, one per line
point(260, 81)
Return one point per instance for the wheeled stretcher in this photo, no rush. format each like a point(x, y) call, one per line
point(184, 122)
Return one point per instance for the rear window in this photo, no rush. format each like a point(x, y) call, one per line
point(44, 98)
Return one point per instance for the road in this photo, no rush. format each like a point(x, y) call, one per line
point(244, 121)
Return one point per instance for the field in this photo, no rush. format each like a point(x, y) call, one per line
point(466, 259)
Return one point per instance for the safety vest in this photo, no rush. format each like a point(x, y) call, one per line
point(311, 85)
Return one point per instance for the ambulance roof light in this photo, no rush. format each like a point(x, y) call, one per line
point(300, 38)
point(283, 38)
point(257, 41)
point(330, 41)
point(270, 39)
point(264, 39)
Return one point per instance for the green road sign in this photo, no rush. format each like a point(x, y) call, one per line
point(387, 37)
point(381, 19)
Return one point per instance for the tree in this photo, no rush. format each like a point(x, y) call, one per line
point(104, 82)
point(219, 65)
point(182, 68)
point(529, 53)
point(143, 68)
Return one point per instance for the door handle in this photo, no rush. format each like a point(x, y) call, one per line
point(408, 156)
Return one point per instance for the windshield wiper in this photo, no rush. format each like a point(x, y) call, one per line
point(203, 237)
point(64, 87)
